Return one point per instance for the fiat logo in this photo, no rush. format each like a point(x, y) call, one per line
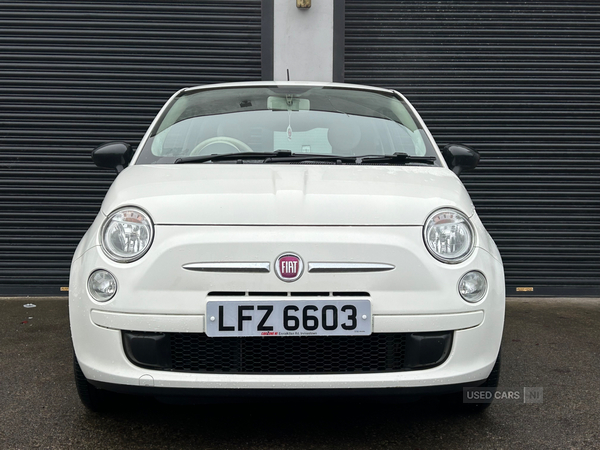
point(289, 267)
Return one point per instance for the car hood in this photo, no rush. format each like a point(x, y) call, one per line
point(284, 194)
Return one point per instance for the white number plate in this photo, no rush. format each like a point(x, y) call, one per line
point(288, 318)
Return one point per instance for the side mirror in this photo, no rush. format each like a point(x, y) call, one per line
point(460, 157)
point(114, 155)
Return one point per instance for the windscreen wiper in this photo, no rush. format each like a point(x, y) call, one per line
point(286, 156)
point(233, 156)
point(396, 158)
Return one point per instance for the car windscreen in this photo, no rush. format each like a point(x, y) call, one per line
point(301, 119)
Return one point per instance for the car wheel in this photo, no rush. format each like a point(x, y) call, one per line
point(456, 400)
point(94, 399)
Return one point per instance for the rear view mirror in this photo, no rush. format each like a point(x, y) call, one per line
point(460, 157)
point(114, 155)
point(288, 103)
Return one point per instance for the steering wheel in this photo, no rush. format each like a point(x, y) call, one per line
point(236, 144)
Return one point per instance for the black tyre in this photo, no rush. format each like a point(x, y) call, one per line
point(490, 384)
point(94, 399)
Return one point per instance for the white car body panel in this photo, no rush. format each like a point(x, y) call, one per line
point(159, 295)
point(218, 194)
point(246, 213)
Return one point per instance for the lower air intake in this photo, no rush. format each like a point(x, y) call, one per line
point(198, 353)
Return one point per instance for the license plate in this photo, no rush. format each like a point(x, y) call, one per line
point(288, 318)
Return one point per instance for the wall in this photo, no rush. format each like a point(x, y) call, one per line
point(303, 41)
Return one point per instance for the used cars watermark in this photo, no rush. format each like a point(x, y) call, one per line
point(487, 395)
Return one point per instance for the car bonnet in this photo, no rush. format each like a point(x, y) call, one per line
point(298, 194)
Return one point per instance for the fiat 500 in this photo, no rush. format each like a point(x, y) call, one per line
point(277, 238)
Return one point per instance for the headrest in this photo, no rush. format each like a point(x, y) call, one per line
point(343, 137)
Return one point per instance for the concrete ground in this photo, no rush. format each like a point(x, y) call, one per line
point(548, 343)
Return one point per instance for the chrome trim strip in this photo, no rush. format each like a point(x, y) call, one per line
point(233, 267)
point(319, 267)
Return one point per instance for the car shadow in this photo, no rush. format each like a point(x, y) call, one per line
point(284, 423)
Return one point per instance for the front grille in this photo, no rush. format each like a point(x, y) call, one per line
point(198, 353)
point(295, 354)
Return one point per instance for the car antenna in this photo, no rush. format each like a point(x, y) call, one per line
point(288, 74)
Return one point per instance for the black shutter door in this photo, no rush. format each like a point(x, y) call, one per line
point(518, 81)
point(77, 74)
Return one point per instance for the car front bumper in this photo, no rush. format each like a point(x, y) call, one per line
point(155, 294)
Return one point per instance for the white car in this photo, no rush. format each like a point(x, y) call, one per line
point(278, 238)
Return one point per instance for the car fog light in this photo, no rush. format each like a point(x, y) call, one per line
point(102, 285)
point(472, 286)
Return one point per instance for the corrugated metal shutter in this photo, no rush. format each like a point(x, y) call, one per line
point(518, 81)
point(76, 74)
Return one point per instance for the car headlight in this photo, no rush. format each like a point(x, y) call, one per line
point(127, 234)
point(449, 235)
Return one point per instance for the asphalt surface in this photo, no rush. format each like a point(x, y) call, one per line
point(549, 343)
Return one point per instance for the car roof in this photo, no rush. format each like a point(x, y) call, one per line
point(286, 83)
